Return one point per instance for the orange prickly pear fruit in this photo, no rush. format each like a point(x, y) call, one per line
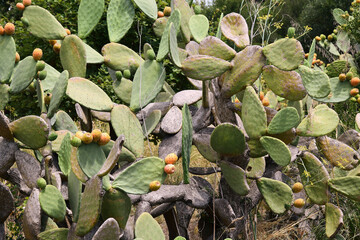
point(87, 138)
point(68, 32)
point(169, 168)
point(160, 14)
point(17, 57)
point(52, 42)
point(37, 54)
point(171, 158)
point(355, 81)
point(265, 102)
point(354, 92)
point(20, 6)
point(261, 96)
point(2, 30)
point(297, 187)
point(27, 3)
point(9, 29)
point(154, 185)
point(56, 47)
point(167, 11)
point(342, 77)
point(299, 203)
point(96, 133)
point(104, 139)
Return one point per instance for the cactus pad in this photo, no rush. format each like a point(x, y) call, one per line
point(125, 155)
point(151, 122)
point(174, 50)
point(90, 206)
point(334, 219)
point(64, 122)
point(51, 79)
point(339, 91)
point(236, 178)
point(234, 27)
point(286, 84)
point(7, 57)
point(52, 202)
point(4, 93)
point(43, 24)
point(228, 139)
point(247, 66)
point(193, 48)
point(349, 186)
point(283, 121)
point(148, 82)
point(159, 26)
point(89, 14)
point(202, 143)
point(64, 155)
point(92, 56)
point(123, 89)
point(199, 27)
point(73, 56)
point(253, 114)
point(75, 167)
point(109, 230)
point(120, 16)
point(314, 176)
point(204, 67)
point(23, 75)
point(116, 204)
point(277, 194)
point(88, 94)
point(286, 53)
point(74, 192)
point(30, 130)
point(186, 14)
point(255, 168)
point(213, 46)
point(58, 93)
point(149, 7)
point(316, 82)
point(147, 228)
point(186, 142)
point(336, 67)
point(113, 157)
point(119, 57)
point(337, 13)
point(91, 158)
point(150, 169)
point(277, 150)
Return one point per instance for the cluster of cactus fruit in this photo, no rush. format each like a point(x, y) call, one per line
point(248, 138)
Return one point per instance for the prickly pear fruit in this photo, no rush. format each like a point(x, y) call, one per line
point(20, 6)
point(127, 74)
point(41, 183)
point(299, 203)
point(47, 98)
point(167, 11)
point(9, 29)
point(57, 47)
point(87, 138)
point(291, 32)
point(160, 14)
point(17, 57)
point(52, 42)
point(42, 74)
point(27, 3)
point(154, 185)
point(104, 139)
point(75, 142)
point(354, 92)
point(96, 133)
point(2, 30)
point(349, 76)
point(151, 54)
point(118, 75)
point(37, 54)
point(297, 187)
point(171, 158)
point(355, 81)
point(342, 77)
point(197, 9)
point(68, 32)
point(40, 65)
point(169, 168)
point(79, 134)
point(53, 136)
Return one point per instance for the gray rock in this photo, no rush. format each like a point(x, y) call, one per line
point(7, 154)
point(172, 121)
point(187, 96)
point(32, 216)
point(29, 168)
point(6, 202)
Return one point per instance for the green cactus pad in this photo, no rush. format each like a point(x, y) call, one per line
point(253, 114)
point(335, 68)
point(159, 26)
point(192, 48)
point(234, 27)
point(349, 186)
point(286, 53)
point(40, 95)
point(92, 56)
point(314, 176)
point(247, 67)
point(334, 219)
point(340, 91)
point(43, 24)
point(116, 204)
point(64, 122)
point(23, 75)
point(88, 94)
point(151, 122)
point(52, 202)
point(313, 124)
point(57, 142)
point(125, 155)
point(343, 41)
point(148, 82)
point(256, 148)
point(74, 191)
point(90, 206)
point(174, 50)
point(109, 230)
point(120, 16)
point(277, 194)
point(284, 120)
point(54, 234)
point(123, 89)
point(213, 46)
point(164, 46)
point(149, 7)
point(73, 56)
point(75, 167)
point(202, 143)
point(202, 67)
point(228, 139)
point(89, 14)
point(91, 158)
point(337, 13)
point(199, 27)
point(150, 169)
point(286, 84)
point(58, 93)
point(7, 57)
point(4, 93)
point(30, 130)
point(337, 153)
point(186, 142)
point(147, 228)
point(277, 150)
point(316, 82)
point(236, 178)
point(125, 122)
point(51, 79)
point(255, 168)
point(218, 31)
point(147, 47)
point(112, 158)
point(119, 57)
point(65, 154)
point(186, 14)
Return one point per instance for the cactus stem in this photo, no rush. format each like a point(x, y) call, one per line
point(47, 172)
point(205, 94)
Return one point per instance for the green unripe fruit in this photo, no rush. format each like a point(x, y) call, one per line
point(127, 74)
point(25, 21)
point(75, 142)
point(53, 136)
point(42, 74)
point(330, 38)
point(349, 76)
point(197, 9)
point(118, 75)
point(323, 37)
point(151, 54)
point(41, 183)
point(40, 65)
point(353, 99)
point(334, 36)
point(335, 31)
point(291, 32)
